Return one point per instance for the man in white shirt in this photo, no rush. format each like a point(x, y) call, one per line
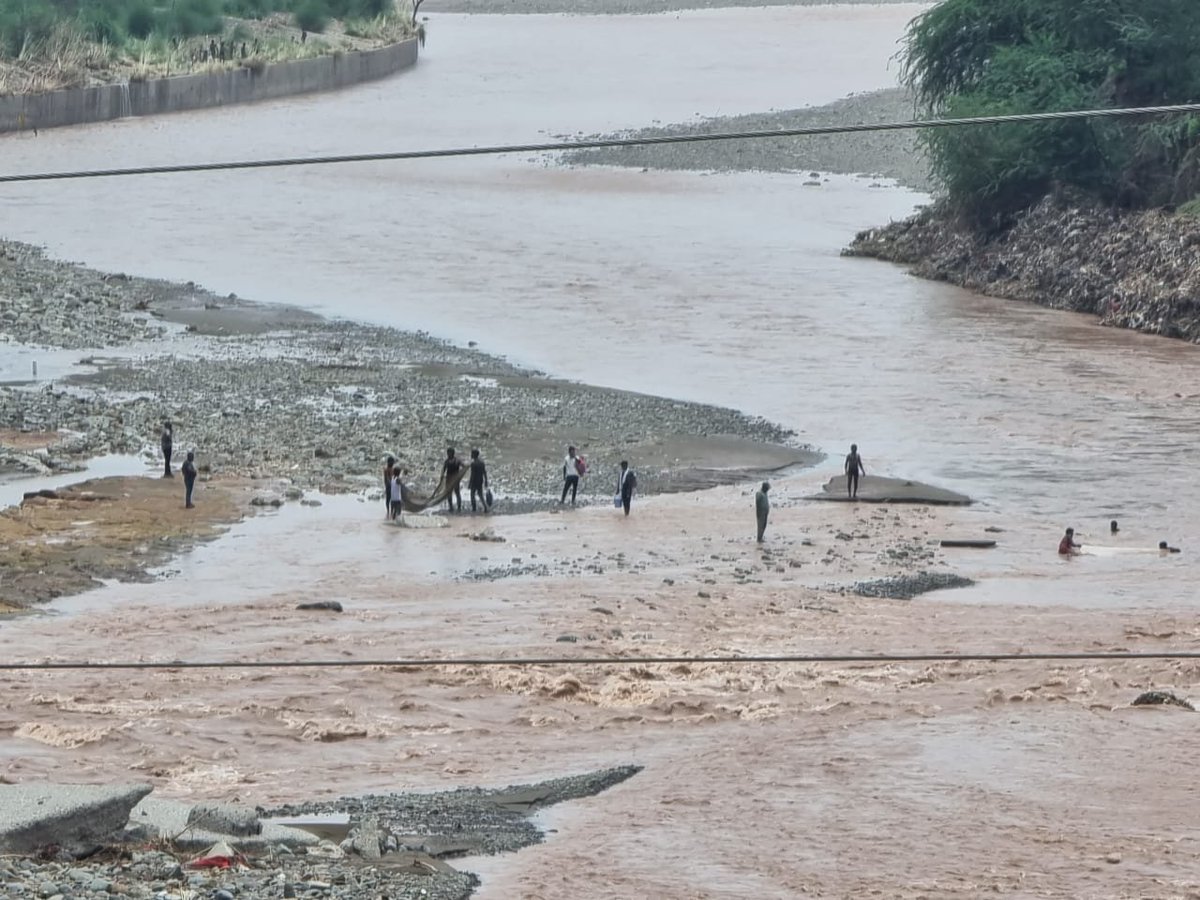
point(573, 467)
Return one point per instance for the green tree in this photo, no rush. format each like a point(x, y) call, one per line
point(988, 57)
point(312, 15)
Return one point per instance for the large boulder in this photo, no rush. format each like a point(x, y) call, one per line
point(64, 815)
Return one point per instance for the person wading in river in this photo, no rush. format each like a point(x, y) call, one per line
point(450, 468)
point(1067, 546)
point(762, 508)
point(478, 481)
point(854, 465)
point(168, 437)
point(189, 479)
point(389, 472)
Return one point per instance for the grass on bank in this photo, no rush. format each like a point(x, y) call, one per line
point(51, 44)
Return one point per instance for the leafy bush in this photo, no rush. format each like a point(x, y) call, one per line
point(987, 57)
point(140, 21)
point(311, 15)
point(25, 22)
point(189, 18)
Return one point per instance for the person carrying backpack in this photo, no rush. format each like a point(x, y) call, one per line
point(626, 482)
point(574, 466)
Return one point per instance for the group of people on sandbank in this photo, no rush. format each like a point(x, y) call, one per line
point(1068, 547)
point(397, 493)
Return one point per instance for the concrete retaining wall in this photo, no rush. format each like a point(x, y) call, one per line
point(79, 106)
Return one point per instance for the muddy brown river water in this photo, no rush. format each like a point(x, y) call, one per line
point(722, 288)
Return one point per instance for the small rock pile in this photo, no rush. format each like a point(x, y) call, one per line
point(905, 587)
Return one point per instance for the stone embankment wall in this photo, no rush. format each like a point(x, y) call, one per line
point(1138, 270)
point(79, 106)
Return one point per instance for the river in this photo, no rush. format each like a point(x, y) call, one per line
point(722, 288)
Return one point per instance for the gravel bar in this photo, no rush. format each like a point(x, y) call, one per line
point(876, 154)
point(270, 392)
point(615, 7)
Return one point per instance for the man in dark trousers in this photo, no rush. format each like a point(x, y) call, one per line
point(389, 474)
point(854, 465)
point(572, 468)
point(478, 481)
point(168, 436)
point(189, 479)
point(762, 509)
point(626, 482)
point(450, 468)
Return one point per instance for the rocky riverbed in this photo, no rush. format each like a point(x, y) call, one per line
point(1131, 269)
point(269, 392)
point(390, 846)
point(878, 154)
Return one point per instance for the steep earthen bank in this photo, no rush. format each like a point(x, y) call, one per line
point(1138, 270)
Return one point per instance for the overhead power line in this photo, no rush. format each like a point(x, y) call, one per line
point(786, 658)
point(599, 143)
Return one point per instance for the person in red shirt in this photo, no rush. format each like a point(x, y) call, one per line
point(1067, 546)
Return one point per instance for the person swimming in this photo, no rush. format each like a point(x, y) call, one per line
point(1067, 546)
point(1163, 547)
point(1112, 527)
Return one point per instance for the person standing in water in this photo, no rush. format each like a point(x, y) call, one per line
point(478, 481)
point(573, 467)
point(189, 479)
point(389, 472)
point(626, 482)
point(168, 437)
point(450, 468)
point(396, 492)
point(762, 508)
point(1067, 546)
point(854, 465)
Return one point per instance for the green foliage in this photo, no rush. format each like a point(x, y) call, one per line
point(1190, 210)
point(311, 15)
point(139, 21)
point(189, 18)
point(25, 22)
point(986, 57)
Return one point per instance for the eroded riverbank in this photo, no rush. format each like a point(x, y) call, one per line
point(1133, 270)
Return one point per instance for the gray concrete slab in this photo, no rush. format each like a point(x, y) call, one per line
point(876, 489)
point(170, 819)
point(68, 815)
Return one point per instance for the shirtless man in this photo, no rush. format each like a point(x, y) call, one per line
point(450, 468)
point(1067, 546)
point(854, 465)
